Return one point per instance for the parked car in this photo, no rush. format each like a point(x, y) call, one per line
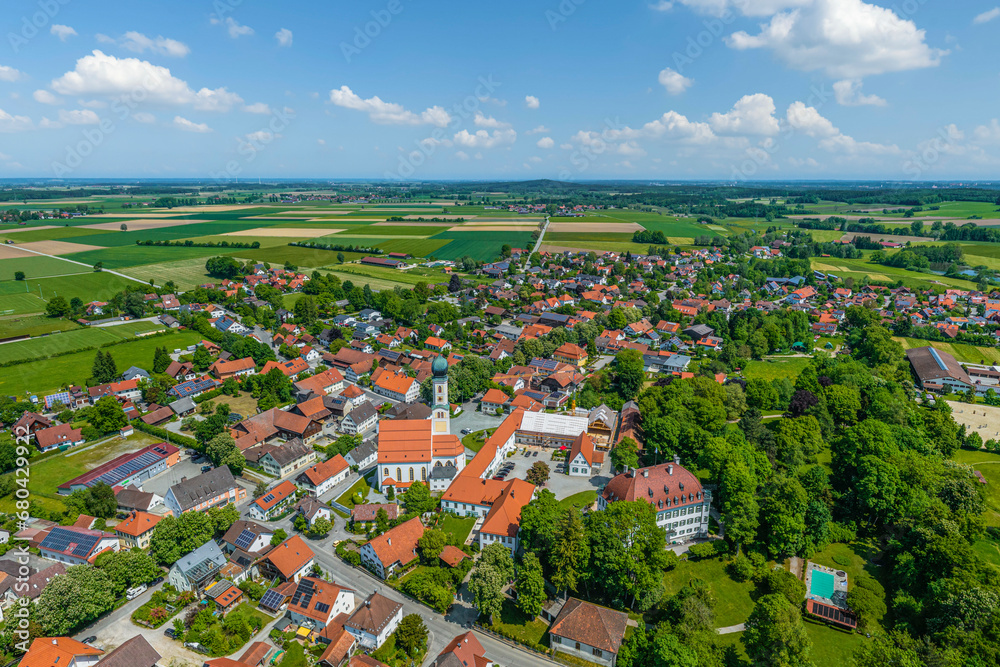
point(498, 478)
point(156, 581)
point(535, 455)
point(206, 468)
point(466, 431)
point(196, 647)
point(90, 640)
point(170, 632)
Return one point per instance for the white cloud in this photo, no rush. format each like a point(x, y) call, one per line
point(848, 94)
point(811, 122)
point(492, 100)
point(78, 117)
point(92, 104)
point(462, 155)
point(9, 73)
point(745, 7)
point(9, 123)
point(531, 102)
point(846, 39)
point(140, 43)
point(541, 129)
point(104, 75)
point(545, 142)
point(535, 159)
point(987, 16)
point(989, 132)
point(388, 113)
point(321, 142)
point(47, 124)
point(63, 32)
point(566, 147)
point(258, 107)
point(663, 6)
point(675, 82)
point(260, 137)
point(232, 25)
point(673, 125)
point(284, 37)
point(190, 126)
point(752, 114)
point(481, 120)
point(45, 97)
point(483, 139)
point(144, 117)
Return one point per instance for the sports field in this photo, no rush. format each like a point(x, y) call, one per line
point(75, 339)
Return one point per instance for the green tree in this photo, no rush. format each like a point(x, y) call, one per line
point(107, 415)
point(19, 275)
point(629, 373)
point(625, 454)
point(539, 519)
point(127, 568)
point(411, 635)
point(74, 599)
point(538, 473)
point(431, 544)
point(340, 257)
point(775, 635)
point(223, 517)
point(740, 512)
point(279, 536)
point(494, 569)
point(104, 368)
point(161, 360)
point(570, 551)
point(222, 450)
point(57, 307)
point(418, 498)
point(100, 501)
point(202, 359)
point(783, 513)
point(530, 586)
point(176, 536)
point(627, 557)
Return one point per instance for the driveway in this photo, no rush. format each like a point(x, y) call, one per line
point(475, 421)
point(185, 469)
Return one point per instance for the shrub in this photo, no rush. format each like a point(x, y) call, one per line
point(837, 532)
point(707, 549)
point(741, 569)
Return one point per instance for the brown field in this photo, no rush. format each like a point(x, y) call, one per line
point(142, 223)
point(210, 209)
point(502, 221)
point(849, 236)
point(491, 228)
point(144, 215)
point(289, 232)
point(59, 247)
point(981, 419)
point(11, 252)
point(15, 230)
point(410, 224)
point(563, 248)
point(598, 227)
point(427, 216)
point(928, 220)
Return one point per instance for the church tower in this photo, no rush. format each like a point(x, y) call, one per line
point(441, 408)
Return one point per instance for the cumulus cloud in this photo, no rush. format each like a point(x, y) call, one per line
point(63, 32)
point(987, 16)
point(233, 27)
point(258, 107)
point(675, 82)
point(10, 123)
point(78, 117)
point(140, 43)
point(988, 133)
point(144, 117)
point(531, 102)
point(461, 155)
point(388, 113)
point(752, 114)
point(9, 73)
point(260, 137)
point(182, 123)
point(846, 39)
point(45, 97)
point(848, 94)
point(545, 142)
point(809, 121)
point(105, 75)
point(481, 120)
point(483, 139)
point(541, 129)
point(284, 37)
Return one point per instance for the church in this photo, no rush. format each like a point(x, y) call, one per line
point(421, 450)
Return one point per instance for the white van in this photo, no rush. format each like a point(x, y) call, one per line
point(133, 593)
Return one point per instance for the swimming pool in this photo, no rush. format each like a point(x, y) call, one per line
point(821, 584)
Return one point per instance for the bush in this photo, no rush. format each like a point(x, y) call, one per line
point(354, 558)
point(741, 569)
point(837, 532)
point(707, 549)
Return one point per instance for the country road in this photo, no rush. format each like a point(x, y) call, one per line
point(73, 261)
point(538, 243)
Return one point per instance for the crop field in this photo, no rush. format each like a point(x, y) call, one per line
point(354, 272)
point(573, 237)
point(89, 286)
point(601, 246)
point(37, 266)
point(859, 268)
point(44, 233)
point(483, 246)
point(401, 230)
point(44, 375)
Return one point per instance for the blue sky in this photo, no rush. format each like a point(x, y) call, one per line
point(568, 89)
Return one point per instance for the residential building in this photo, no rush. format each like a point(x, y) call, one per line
point(503, 521)
point(366, 514)
point(397, 387)
point(135, 652)
point(216, 487)
point(361, 419)
point(274, 502)
point(136, 531)
point(582, 459)
point(62, 436)
point(247, 536)
point(196, 570)
point(312, 509)
point(322, 477)
point(589, 632)
point(290, 560)
point(317, 602)
point(76, 546)
point(60, 652)
point(364, 455)
point(223, 370)
point(569, 353)
point(463, 651)
point(374, 620)
point(393, 549)
point(284, 460)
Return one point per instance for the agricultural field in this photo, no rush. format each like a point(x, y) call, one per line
point(89, 286)
point(859, 268)
point(74, 339)
point(42, 376)
point(970, 354)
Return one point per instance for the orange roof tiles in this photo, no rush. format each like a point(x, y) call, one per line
point(398, 544)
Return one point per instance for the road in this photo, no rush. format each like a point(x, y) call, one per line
point(538, 243)
point(73, 261)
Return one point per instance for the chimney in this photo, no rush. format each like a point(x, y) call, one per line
point(390, 541)
point(677, 459)
point(670, 470)
point(645, 473)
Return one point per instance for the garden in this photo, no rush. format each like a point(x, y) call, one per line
point(162, 606)
point(220, 636)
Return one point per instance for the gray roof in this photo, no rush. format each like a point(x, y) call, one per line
point(203, 487)
point(183, 405)
point(133, 498)
point(136, 652)
point(362, 413)
point(197, 563)
point(292, 450)
point(362, 452)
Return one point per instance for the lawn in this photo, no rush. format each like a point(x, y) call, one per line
point(22, 303)
point(37, 266)
point(733, 602)
point(476, 440)
point(961, 351)
point(514, 623)
point(989, 465)
point(295, 655)
point(772, 369)
point(579, 500)
point(45, 375)
point(33, 325)
point(244, 404)
point(348, 497)
point(78, 338)
point(830, 646)
point(459, 527)
point(86, 284)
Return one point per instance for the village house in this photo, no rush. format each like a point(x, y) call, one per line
point(273, 503)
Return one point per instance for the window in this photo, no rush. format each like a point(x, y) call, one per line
point(598, 652)
point(423, 474)
point(399, 475)
point(555, 639)
point(411, 474)
point(578, 646)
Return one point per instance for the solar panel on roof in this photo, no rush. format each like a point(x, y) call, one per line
point(272, 599)
point(322, 607)
point(268, 498)
point(245, 539)
point(71, 542)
